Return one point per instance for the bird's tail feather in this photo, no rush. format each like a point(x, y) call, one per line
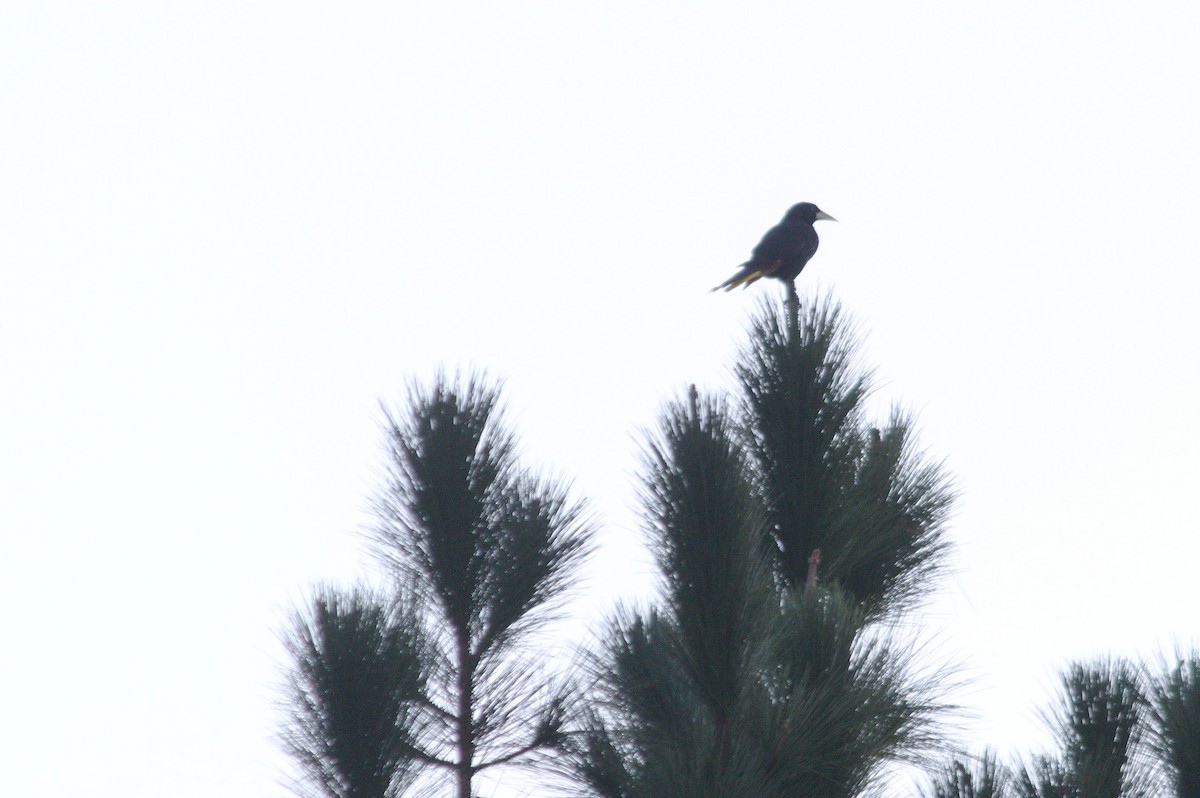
point(739, 279)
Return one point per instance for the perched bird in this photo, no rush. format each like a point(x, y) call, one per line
point(784, 250)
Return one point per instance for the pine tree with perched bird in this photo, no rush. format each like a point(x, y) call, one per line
point(784, 250)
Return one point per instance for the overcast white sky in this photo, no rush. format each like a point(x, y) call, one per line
point(227, 229)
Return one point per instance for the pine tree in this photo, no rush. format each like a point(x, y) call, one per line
point(439, 676)
point(984, 777)
point(1097, 726)
point(1173, 719)
point(1122, 732)
point(787, 530)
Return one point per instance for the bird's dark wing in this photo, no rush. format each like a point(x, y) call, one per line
point(782, 253)
point(788, 247)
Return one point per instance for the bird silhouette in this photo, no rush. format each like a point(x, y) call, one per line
point(784, 250)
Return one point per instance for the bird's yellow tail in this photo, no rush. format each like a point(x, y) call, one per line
point(742, 281)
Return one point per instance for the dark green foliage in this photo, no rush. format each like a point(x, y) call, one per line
point(765, 672)
point(803, 410)
point(754, 679)
point(1096, 724)
point(481, 539)
point(358, 672)
point(651, 731)
point(980, 778)
point(851, 702)
point(482, 550)
point(1123, 732)
point(829, 480)
point(673, 687)
point(1046, 778)
point(1099, 718)
point(1174, 721)
point(707, 533)
point(817, 711)
point(488, 548)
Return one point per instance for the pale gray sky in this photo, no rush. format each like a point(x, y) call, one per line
point(228, 228)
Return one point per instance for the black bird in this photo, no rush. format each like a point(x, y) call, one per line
point(784, 250)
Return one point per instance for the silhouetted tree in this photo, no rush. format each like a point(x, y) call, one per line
point(1173, 721)
point(1098, 724)
point(439, 675)
point(358, 677)
point(828, 477)
point(786, 528)
point(980, 778)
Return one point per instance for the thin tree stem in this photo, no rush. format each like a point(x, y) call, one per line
point(464, 768)
point(793, 308)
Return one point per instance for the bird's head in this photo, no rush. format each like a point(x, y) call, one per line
point(806, 212)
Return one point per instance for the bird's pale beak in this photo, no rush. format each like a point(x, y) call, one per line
point(823, 215)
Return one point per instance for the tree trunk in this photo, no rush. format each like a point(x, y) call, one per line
point(464, 768)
